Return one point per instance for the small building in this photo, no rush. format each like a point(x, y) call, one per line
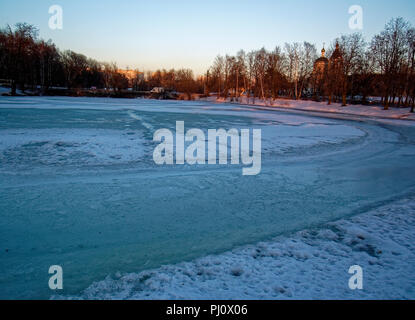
point(157, 90)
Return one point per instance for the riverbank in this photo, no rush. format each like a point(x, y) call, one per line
point(373, 111)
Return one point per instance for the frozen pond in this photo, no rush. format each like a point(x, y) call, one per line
point(79, 188)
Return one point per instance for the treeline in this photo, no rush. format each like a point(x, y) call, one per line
point(181, 80)
point(353, 70)
point(29, 62)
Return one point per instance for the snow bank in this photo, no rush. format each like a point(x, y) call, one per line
point(335, 108)
point(312, 264)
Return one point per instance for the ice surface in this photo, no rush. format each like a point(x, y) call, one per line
point(79, 188)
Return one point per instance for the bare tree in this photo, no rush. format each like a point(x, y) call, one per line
point(217, 73)
point(250, 72)
point(301, 57)
point(352, 48)
point(260, 66)
point(390, 47)
point(275, 70)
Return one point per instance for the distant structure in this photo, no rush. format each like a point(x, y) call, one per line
point(337, 55)
point(157, 90)
point(320, 74)
point(321, 64)
point(326, 72)
point(336, 64)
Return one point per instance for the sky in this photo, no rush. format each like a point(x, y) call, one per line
point(190, 33)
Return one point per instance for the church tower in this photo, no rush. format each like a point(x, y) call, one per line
point(321, 64)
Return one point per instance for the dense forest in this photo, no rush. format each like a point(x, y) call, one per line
point(353, 71)
point(27, 62)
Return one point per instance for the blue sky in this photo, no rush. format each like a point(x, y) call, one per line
point(184, 33)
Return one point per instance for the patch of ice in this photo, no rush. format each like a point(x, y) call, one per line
point(30, 147)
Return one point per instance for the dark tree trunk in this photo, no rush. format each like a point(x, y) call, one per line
point(13, 88)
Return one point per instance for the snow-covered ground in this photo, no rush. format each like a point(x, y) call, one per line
point(322, 107)
point(311, 264)
point(68, 147)
point(79, 188)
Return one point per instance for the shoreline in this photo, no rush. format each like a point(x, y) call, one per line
point(322, 109)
